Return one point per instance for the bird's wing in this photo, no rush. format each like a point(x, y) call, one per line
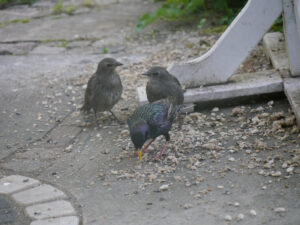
point(174, 91)
point(175, 80)
point(158, 118)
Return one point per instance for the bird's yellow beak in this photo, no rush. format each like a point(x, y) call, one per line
point(139, 154)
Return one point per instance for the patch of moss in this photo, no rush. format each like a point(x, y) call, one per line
point(63, 44)
point(214, 30)
point(69, 10)
point(88, 4)
point(59, 8)
point(104, 50)
point(5, 23)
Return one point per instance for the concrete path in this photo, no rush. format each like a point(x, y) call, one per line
point(225, 166)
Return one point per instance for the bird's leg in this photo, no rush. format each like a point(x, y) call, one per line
point(95, 113)
point(162, 151)
point(119, 121)
point(180, 121)
point(144, 149)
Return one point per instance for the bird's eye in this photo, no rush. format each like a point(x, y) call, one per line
point(155, 73)
point(109, 65)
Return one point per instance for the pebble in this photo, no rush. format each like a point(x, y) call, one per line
point(290, 169)
point(231, 159)
point(106, 151)
point(187, 206)
point(164, 187)
point(276, 174)
point(236, 204)
point(240, 217)
point(216, 109)
point(124, 132)
point(279, 209)
point(253, 212)
point(228, 218)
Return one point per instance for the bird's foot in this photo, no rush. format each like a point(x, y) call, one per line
point(135, 154)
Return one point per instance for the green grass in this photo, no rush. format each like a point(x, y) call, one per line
point(88, 4)
point(188, 10)
point(5, 3)
point(59, 8)
point(104, 50)
point(5, 23)
point(63, 44)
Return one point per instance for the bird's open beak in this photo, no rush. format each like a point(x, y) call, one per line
point(139, 154)
point(146, 74)
point(118, 64)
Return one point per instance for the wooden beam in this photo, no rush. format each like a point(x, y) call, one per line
point(292, 91)
point(239, 85)
point(235, 44)
point(292, 36)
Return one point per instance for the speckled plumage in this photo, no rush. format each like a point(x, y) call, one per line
point(104, 88)
point(163, 85)
point(152, 120)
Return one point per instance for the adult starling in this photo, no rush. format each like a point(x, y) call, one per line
point(163, 85)
point(104, 88)
point(150, 121)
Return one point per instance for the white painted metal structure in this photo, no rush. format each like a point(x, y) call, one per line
point(221, 61)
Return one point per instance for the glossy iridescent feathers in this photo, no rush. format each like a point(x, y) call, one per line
point(151, 120)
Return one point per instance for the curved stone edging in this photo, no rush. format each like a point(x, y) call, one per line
point(43, 203)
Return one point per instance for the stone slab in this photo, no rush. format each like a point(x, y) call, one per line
point(43, 49)
point(240, 85)
point(38, 194)
point(16, 48)
point(16, 183)
point(7, 214)
point(97, 24)
point(68, 220)
point(50, 210)
point(292, 91)
point(274, 48)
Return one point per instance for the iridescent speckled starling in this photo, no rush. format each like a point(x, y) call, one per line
point(163, 85)
point(150, 121)
point(104, 88)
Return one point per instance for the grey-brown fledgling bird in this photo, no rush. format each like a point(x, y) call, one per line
point(163, 85)
point(104, 88)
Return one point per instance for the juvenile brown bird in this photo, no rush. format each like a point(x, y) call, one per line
point(104, 88)
point(163, 85)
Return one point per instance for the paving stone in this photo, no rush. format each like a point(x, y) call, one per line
point(50, 210)
point(42, 49)
point(38, 194)
point(7, 214)
point(75, 44)
point(67, 220)
point(16, 48)
point(16, 183)
point(292, 91)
